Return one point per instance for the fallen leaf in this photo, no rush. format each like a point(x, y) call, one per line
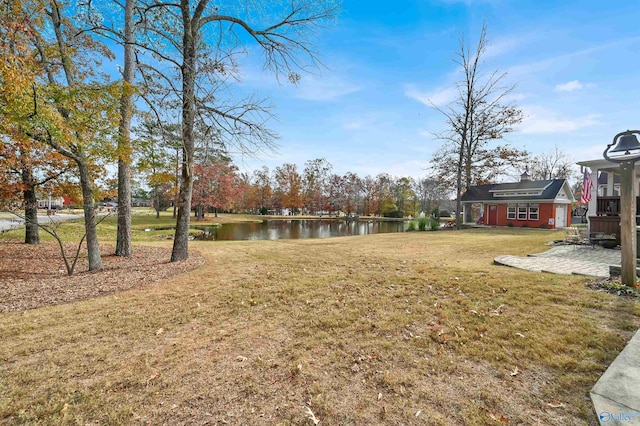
point(311, 416)
point(379, 396)
point(159, 331)
point(555, 404)
point(418, 413)
point(503, 419)
point(152, 377)
point(515, 371)
point(520, 334)
point(64, 408)
point(497, 312)
point(355, 368)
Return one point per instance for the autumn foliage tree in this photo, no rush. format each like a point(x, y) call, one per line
point(216, 185)
point(289, 186)
point(262, 193)
point(315, 175)
point(28, 165)
point(58, 101)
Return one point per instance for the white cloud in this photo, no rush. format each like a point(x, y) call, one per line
point(328, 88)
point(500, 47)
point(365, 121)
point(546, 63)
point(541, 121)
point(438, 97)
point(514, 97)
point(353, 125)
point(569, 86)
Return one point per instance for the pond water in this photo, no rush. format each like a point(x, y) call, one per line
point(296, 229)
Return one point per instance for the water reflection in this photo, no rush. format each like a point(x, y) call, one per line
point(297, 229)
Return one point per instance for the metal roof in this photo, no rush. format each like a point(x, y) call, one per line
point(514, 191)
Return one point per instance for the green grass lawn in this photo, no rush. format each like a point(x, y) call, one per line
point(413, 328)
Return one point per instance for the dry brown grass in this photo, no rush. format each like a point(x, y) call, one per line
point(417, 328)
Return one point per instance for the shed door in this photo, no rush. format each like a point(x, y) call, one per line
point(493, 215)
point(561, 216)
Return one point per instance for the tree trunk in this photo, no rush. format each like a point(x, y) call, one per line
point(123, 239)
point(177, 196)
point(157, 203)
point(31, 235)
point(459, 185)
point(181, 237)
point(88, 205)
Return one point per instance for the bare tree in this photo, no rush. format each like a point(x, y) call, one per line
point(430, 193)
point(551, 165)
point(480, 114)
point(199, 42)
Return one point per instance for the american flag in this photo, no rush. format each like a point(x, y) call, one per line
point(587, 186)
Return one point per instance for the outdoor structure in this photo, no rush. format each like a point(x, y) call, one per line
point(49, 202)
point(603, 214)
point(534, 204)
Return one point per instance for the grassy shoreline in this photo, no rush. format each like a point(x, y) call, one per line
point(414, 328)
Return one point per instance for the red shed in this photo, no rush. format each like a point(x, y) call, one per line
point(528, 203)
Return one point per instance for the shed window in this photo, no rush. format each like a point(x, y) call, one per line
point(522, 212)
point(511, 212)
point(533, 213)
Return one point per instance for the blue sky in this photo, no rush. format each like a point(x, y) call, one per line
point(576, 65)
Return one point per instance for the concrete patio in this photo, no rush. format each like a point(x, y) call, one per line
point(567, 260)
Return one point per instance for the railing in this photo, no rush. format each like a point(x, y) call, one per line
point(610, 206)
point(605, 225)
point(607, 219)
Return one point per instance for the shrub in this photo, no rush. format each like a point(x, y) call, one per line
point(525, 225)
point(436, 213)
point(543, 226)
point(411, 226)
point(434, 224)
point(394, 213)
point(422, 224)
point(510, 224)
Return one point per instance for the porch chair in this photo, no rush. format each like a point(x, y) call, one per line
point(572, 236)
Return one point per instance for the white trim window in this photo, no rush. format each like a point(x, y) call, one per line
point(511, 211)
point(534, 212)
point(522, 212)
